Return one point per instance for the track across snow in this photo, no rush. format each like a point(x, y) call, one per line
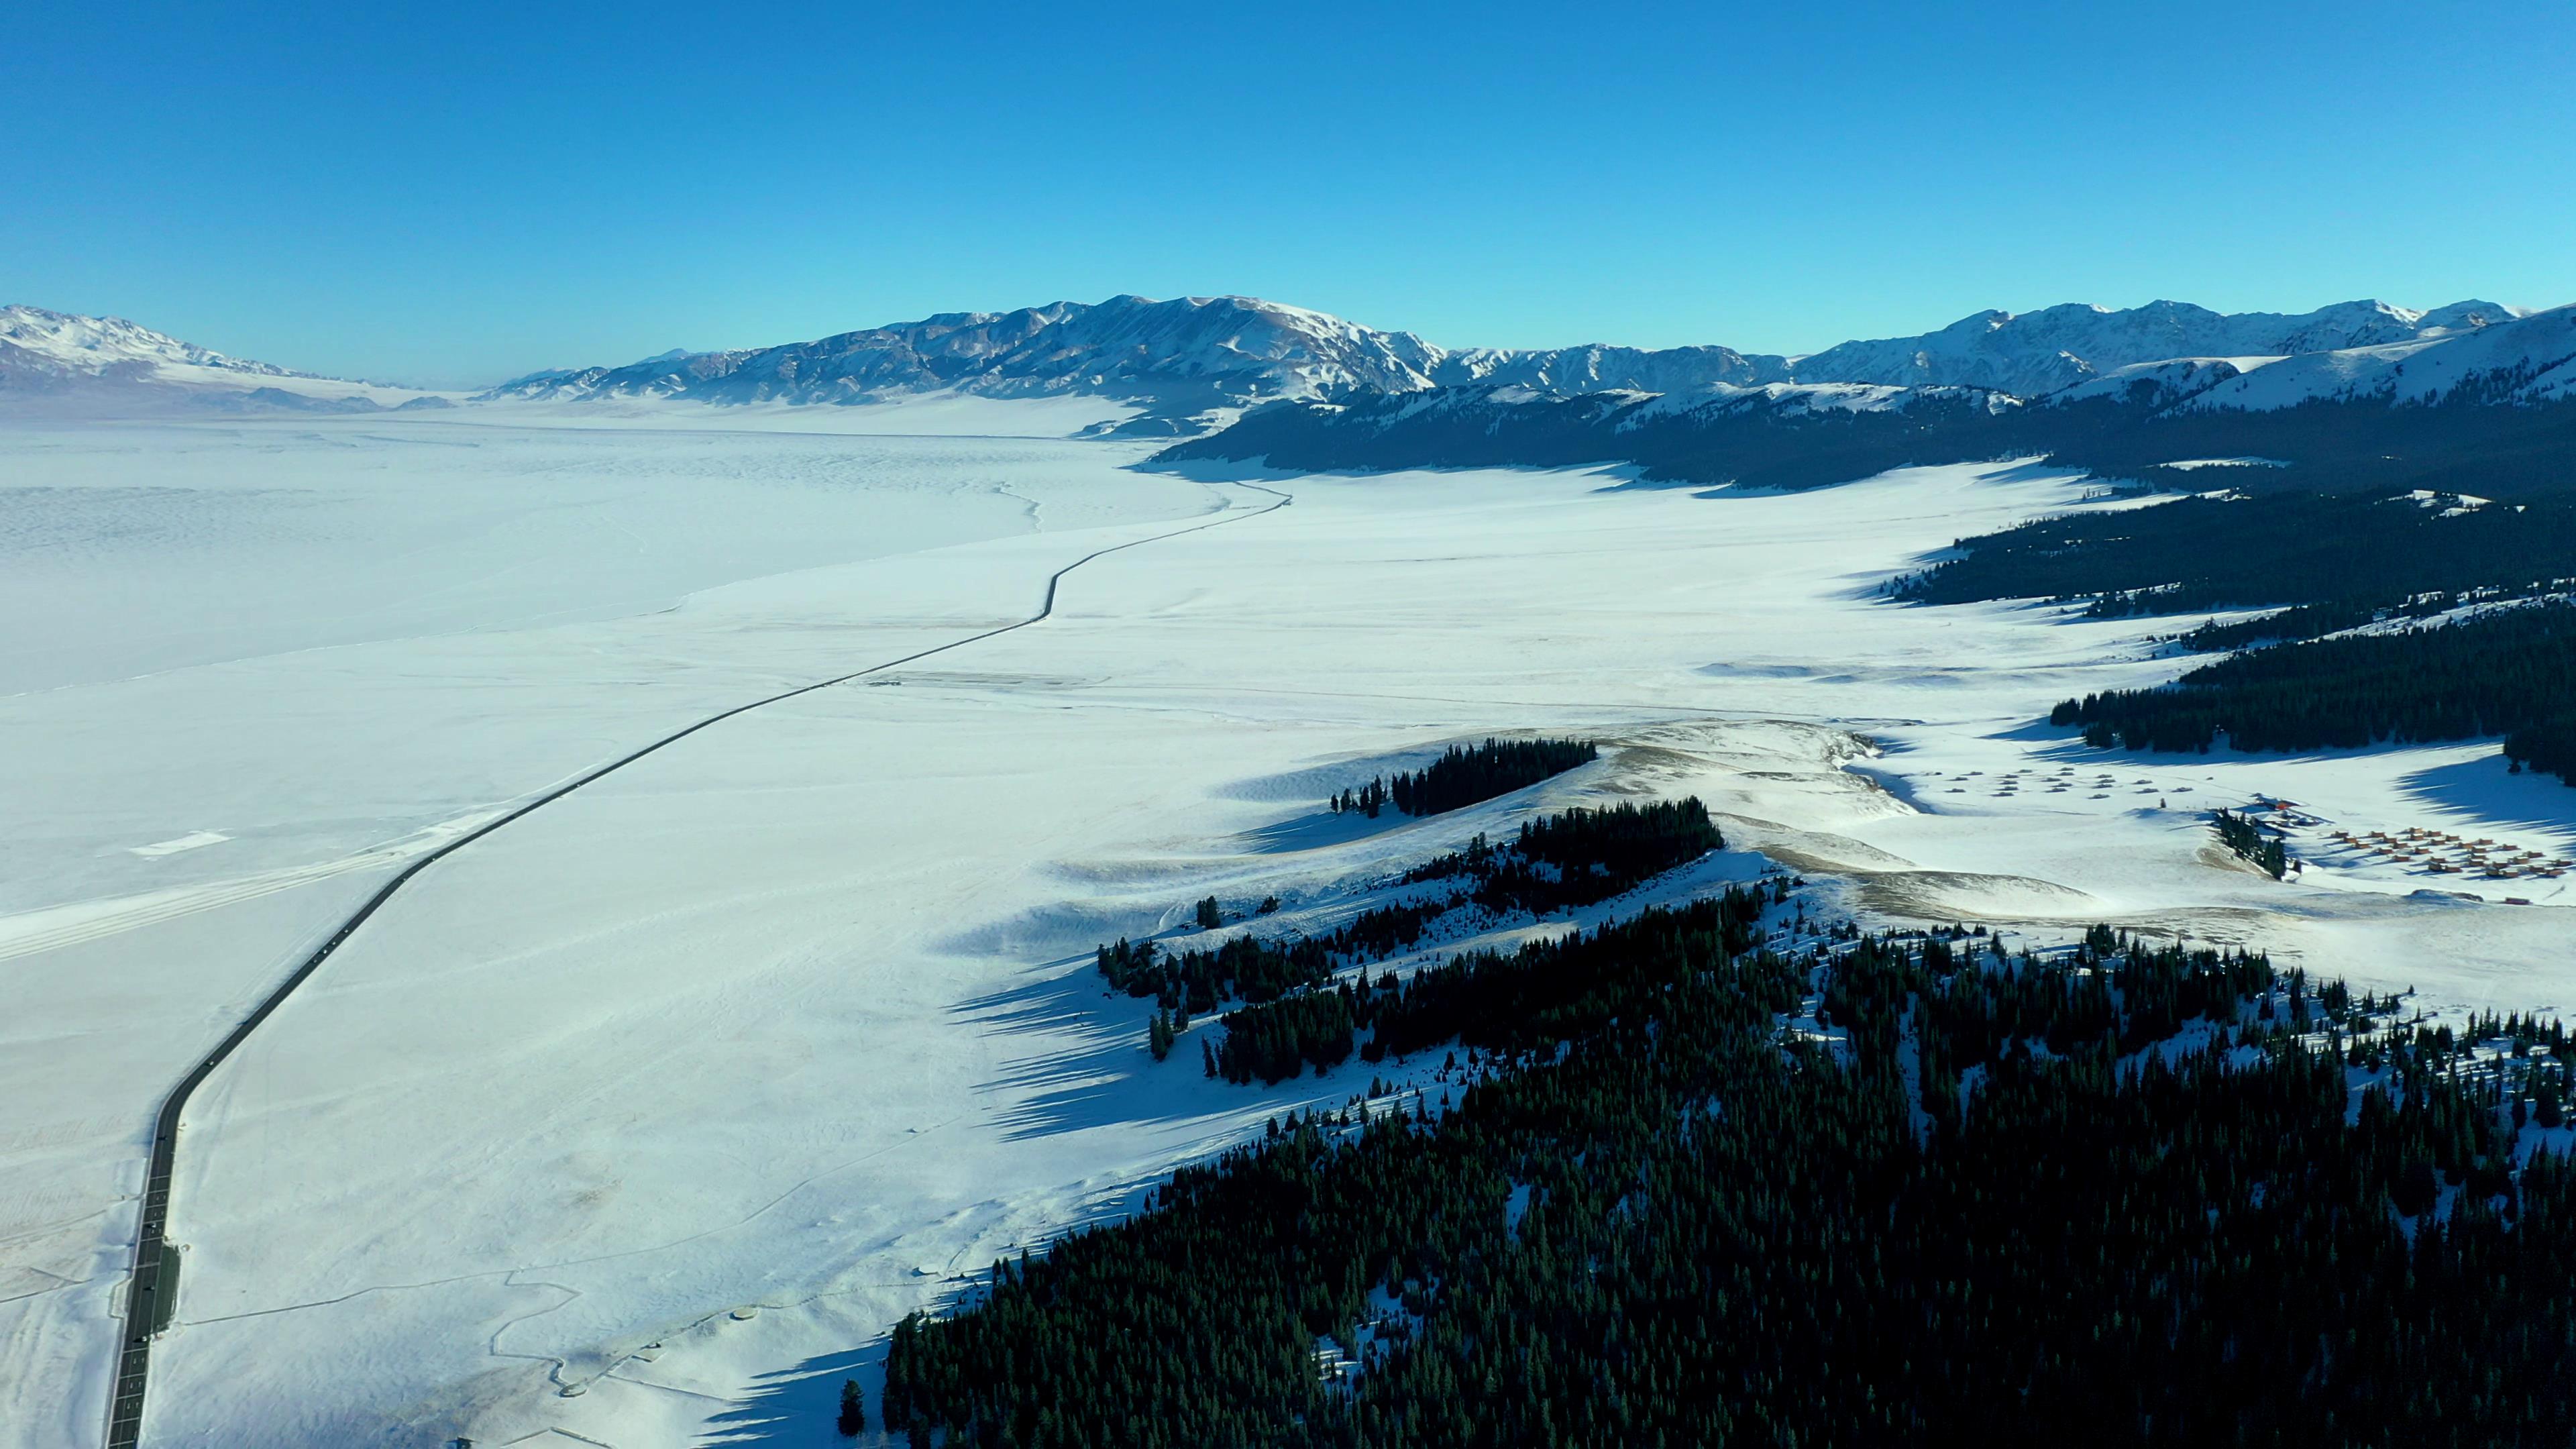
point(147, 1297)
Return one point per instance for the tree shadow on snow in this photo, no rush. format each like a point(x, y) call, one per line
point(2487, 787)
point(1323, 828)
point(1106, 1076)
point(800, 1405)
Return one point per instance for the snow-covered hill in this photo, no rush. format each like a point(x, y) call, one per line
point(63, 362)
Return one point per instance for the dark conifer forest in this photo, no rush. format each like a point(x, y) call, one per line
point(2511, 672)
point(1893, 1192)
point(2361, 445)
point(2342, 559)
point(1465, 776)
point(1575, 857)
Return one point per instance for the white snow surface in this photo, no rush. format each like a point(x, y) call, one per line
point(683, 1089)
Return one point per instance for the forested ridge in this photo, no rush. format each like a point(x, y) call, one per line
point(2310, 680)
point(2364, 445)
point(2509, 672)
point(1466, 775)
point(2341, 560)
point(1291, 1018)
point(1892, 1192)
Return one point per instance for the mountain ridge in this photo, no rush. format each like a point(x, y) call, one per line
point(1193, 365)
point(2490, 408)
point(109, 364)
point(1190, 361)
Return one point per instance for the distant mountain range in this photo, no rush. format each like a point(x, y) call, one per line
point(2481, 406)
point(1193, 361)
point(1357, 396)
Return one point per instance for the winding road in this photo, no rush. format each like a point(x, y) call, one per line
point(152, 1291)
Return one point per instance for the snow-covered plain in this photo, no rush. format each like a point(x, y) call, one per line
point(678, 1092)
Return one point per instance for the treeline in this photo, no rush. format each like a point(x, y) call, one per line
point(1754, 441)
point(1249, 968)
point(2510, 672)
point(2343, 560)
point(1465, 775)
point(1573, 858)
point(1578, 857)
point(1957, 1203)
point(1547, 991)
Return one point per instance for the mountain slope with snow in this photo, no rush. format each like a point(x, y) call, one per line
point(62, 362)
point(2463, 405)
point(1189, 362)
point(2528, 359)
point(1179, 358)
point(2058, 347)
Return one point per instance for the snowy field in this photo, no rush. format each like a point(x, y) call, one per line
point(640, 1121)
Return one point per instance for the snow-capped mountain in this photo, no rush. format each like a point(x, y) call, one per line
point(65, 362)
point(1178, 358)
point(1191, 357)
point(34, 341)
point(2031, 353)
point(1192, 363)
point(2527, 359)
point(1599, 368)
point(2471, 395)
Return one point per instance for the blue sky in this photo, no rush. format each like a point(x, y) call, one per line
point(453, 194)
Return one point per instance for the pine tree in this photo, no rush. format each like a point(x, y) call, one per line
point(854, 1409)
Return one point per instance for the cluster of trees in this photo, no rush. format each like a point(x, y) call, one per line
point(1278, 1039)
point(2511, 672)
point(1164, 1028)
point(1464, 775)
point(2249, 843)
point(1248, 968)
point(2547, 745)
point(1577, 857)
point(1547, 991)
point(1977, 1212)
point(1573, 858)
point(2345, 559)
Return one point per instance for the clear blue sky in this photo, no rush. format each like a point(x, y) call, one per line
point(452, 194)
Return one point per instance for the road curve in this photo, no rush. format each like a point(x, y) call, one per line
point(147, 1299)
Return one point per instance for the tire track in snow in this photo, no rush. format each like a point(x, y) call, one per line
point(144, 1286)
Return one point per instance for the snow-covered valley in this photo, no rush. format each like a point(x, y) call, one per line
point(677, 1093)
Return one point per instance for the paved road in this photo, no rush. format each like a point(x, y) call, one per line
point(154, 1290)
